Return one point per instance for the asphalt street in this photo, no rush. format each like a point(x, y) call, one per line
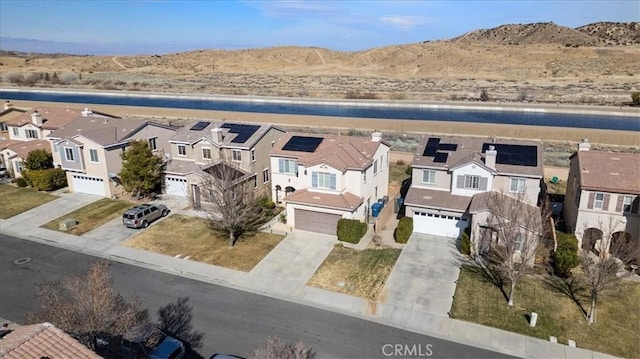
point(234, 321)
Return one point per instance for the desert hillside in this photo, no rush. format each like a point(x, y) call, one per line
point(543, 62)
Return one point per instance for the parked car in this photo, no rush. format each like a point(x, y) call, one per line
point(225, 356)
point(3, 171)
point(142, 215)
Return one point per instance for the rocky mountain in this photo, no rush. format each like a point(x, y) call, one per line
point(530, 34)
point(613, 33)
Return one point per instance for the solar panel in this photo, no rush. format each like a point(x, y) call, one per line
point(432, 146)
point(440, 157)
point(302, 144)
point(243, 132)
point(519, 155)
point(447, 147)
point(201, 125)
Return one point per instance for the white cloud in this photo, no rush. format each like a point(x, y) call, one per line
point(404, 22)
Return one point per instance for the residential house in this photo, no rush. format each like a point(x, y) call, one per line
point(202, 144)
point(38, 341)
point(448, 173)
point(89, 148)
point(323, 178)
point(9, 112)
point(16, 152)
point(602, 198)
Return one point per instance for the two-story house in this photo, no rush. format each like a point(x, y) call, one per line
point(16, 152)
point(202, 144)
point(448, 172)
point(602, 199)
point(9, 112)
point(89, 147)
point(323, 178)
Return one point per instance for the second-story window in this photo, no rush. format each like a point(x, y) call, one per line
point(287, 166)
point(236, 155)
point(627, 204)
point(599, 201)
point(471, 182)
point(182, 150)
point(253, 155)
point(68, 154)
point(375, 167)
point(152, 144)
point(429, 176)
point(16, 132)
point(31, 133)
point(323, 180)
point(365, 176)
point(94, 155)
point(517, 185)
point(206, 153)
point(265, 175)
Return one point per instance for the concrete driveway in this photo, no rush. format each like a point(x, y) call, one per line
point(423, 279)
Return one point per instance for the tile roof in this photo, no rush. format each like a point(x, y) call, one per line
point(481, 202)
point(436, 199)
point(42, 340)
point(339, 152)
point(470, 149)
point(344, 201)
point(52, 117)
point(102, 130)
point(608, 171)
point(186, 134)
point(23, 148)
point(4, 143)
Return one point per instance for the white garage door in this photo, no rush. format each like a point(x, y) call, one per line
point(175, 186)
point(439, 225)
point(91, 185)
point(312, 221)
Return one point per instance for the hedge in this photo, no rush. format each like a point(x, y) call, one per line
point(351, 230)
point(565, 257)
point(46, 180)
point(403, 230)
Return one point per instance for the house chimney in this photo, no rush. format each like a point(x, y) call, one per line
point(7, 105)
point(376, 136)
point(216, 135)
point(490, 157)
point(36, 118)
point(86, 112)
point(584, 145)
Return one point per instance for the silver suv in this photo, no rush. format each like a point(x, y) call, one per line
point(142, 215)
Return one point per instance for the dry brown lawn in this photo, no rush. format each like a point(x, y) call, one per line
point(14, 200)
point(191, 237)
point(91, 216)
point(364, 273)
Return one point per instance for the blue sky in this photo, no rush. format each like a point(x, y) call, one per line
point(157, 26)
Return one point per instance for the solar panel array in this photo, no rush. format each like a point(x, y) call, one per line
point(440, 157)
point(519, 155)
point(436, 149)
point(243, 132)
point(201, 125)
point(432, 147)
point(302, 144)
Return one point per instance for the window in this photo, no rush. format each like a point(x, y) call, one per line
point(94, 155)
point(519, 242)
point(517, 185)
point(182, 150)
point(323, 180)
point(287, 166)
point(472, 182)
point(68, 154)
point(19, 166)
point(255, 181)
point(236, 155)
point(16, 132)
point(206, 153)
point(365, 176)
point(375, 167)
point(31, 133)
point(152, 144)
point(265, 176)
point(599, 201)
point(627, 204)
point(253, 155)
point(429, 176)
point(381, 163)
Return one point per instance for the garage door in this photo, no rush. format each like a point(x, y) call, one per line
point(91, 185)
point(175, 186)
point(439, 225)
point(312, 221)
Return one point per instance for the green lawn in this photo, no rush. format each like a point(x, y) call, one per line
point(91, 216)
point(191, 236)
point(15, 200)
point(364, 273)
point(615, 332)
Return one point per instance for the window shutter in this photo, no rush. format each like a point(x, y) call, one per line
point(483, 183)
point(605, 203)
point(460, 182)
point(619, 203)
point(635, 205)
point(592, 197)
point(332, 180)
point(314, 179)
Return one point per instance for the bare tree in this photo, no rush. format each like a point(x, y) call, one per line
point(276, 348)
point(603, 267)
point(510, 239)
point(87, 307)
point(235, 209)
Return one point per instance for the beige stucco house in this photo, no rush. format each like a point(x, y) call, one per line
point(602, 199)
point(322, 178)
point(16, 152)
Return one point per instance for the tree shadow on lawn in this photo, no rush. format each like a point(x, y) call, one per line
point(570, 288)
point(486, 274)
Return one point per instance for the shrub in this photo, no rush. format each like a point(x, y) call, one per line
point(283, 218)
point(21, 182)
point(465, 242)
point(403, 230)
point(47, 180)
point(351, 230)
point(566, 255)
point(484, 95)
point(635, 98)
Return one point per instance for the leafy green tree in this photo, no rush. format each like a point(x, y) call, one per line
point(566, 255)
point(38, 160)
point(141, 172)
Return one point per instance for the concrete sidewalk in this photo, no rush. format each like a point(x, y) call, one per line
point(283, 273)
